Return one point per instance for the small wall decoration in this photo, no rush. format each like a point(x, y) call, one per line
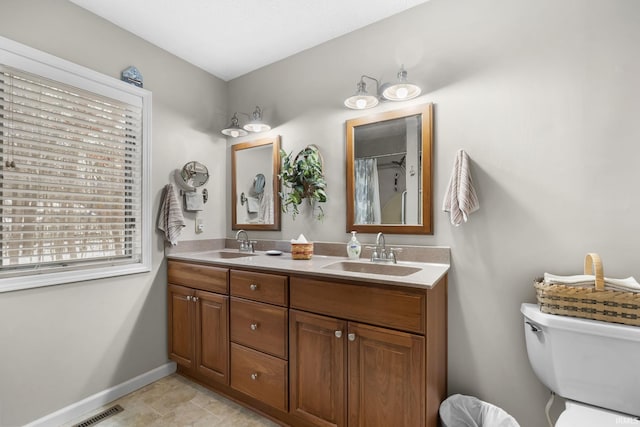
point(132, 75)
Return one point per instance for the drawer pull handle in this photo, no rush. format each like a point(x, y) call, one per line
point(338, 334)
point(254, 326)
point(351, 337)
point(254, 376)
point(253, 287)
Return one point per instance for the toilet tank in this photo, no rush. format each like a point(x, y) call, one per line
point(597, 363)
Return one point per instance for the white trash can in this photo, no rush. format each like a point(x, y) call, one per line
point(468, 411)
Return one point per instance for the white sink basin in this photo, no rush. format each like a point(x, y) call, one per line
point(228, 254)
point(373, 268)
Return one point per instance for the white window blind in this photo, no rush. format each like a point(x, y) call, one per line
point(70, 177)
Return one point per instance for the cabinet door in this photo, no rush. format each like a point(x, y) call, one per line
point(181, 325)
point(386, 377)
point(212, 336)
point(317, 361)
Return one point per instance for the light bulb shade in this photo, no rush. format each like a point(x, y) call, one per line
point(362, 99)
point(257, 127)
point(402, 90)
point(234, 130)
point(361, 102)
point(256, 124)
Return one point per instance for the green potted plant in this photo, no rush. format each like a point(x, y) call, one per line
point(302, 178)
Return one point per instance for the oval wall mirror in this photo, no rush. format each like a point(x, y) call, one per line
point(389, 172)
point(255, 204)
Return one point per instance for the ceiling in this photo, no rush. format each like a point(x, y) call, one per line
point(229, 38)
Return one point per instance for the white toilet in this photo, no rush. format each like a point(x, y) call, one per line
point(594, 365)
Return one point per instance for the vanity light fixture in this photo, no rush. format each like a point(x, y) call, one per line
point(234, 130)
point(362, 99)
point(255, 125)
point(401, 90)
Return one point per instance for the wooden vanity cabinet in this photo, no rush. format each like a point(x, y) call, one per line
point(311, 351)
point(346, 373)
point(390, 371)
point(350, 371)
point(198, 336)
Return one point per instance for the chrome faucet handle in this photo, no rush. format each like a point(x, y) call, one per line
point(252, 245)
point(393, 254)
point(374, 252)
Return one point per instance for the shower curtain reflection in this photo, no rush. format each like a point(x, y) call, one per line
point(367, 192)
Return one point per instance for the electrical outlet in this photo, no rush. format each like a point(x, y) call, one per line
point(199, 225)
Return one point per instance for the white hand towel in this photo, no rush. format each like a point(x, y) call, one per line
point(586, 280)
point(170, 219)
point(460, 199)
point(265, 213)
point(193, 201)
point(253, 204)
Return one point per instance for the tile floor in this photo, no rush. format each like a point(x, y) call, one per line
point(176, 401)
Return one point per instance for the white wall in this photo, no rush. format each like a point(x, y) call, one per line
point(544, 96)
point(61, 344)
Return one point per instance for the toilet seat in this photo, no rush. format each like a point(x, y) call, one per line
point(581, 415)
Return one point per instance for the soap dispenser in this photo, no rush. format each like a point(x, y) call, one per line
point(353, 247)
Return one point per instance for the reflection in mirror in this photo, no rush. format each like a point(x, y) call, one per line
point(389, 172)
point(254, 179)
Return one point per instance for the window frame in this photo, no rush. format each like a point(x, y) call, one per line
point(31, 60)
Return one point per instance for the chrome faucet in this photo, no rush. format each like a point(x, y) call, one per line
point(246, 245)
point(380, 253)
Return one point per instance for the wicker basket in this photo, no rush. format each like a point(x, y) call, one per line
point(590, 303)
point(301, 250)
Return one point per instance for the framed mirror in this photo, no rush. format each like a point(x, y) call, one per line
point(389, 159)
point(255, 204)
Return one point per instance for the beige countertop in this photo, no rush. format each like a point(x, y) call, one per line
point(413, 274)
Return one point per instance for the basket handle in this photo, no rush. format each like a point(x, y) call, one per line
point(593, 265)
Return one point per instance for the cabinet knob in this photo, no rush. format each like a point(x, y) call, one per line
point(253, 287)
point(338, 334)
point(254, 376)
point(195, 299)
point(188, 297)
point(254, 326)
point(351, 337)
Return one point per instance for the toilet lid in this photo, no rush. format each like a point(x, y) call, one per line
point(581, 415)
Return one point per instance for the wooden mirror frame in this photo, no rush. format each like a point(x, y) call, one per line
point(275, 182)
point(426, 227)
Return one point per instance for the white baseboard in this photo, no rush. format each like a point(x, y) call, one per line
point(91, 403)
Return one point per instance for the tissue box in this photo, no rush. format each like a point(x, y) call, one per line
point(301, 250)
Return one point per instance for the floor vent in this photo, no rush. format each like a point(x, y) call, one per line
point(100, 417)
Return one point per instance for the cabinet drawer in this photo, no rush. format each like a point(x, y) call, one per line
point(198, 276)
point(260, 376)
point(394, 308)
point(263, 287)
point(260, 326)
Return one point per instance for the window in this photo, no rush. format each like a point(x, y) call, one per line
point(74, 152)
